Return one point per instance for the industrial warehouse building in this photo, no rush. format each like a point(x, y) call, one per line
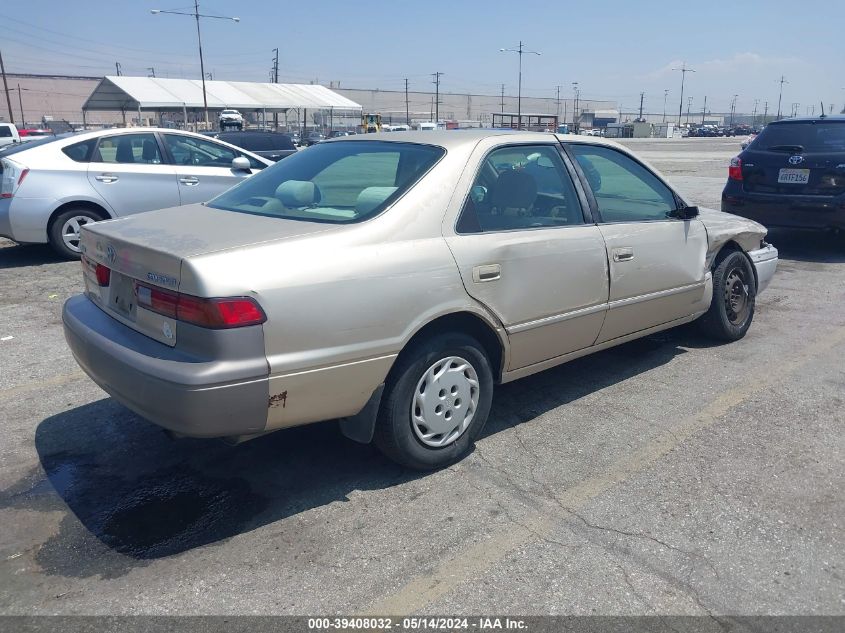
point(38, 98)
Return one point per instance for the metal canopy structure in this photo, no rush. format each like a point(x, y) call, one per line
point(121, 93)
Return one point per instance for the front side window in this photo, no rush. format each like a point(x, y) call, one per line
point(624, 190)
point(128, 149)
point(187, 150)
point(521, 187)
point(333, 182)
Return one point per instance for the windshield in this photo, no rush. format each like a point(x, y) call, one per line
point(811, 136)
point(336, 182)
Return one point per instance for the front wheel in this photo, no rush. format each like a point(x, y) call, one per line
point(734, 297)
point(436, 402)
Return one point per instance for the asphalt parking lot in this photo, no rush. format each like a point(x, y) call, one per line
point(666, 476)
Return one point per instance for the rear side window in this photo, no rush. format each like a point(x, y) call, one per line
point(5, 131)
point(80, 152)
point(810, 136)
point(128, 149)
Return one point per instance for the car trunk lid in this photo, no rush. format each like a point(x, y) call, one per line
point(146, 251)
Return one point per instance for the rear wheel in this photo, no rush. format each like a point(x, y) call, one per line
point(734, 296)
point(63, 232)
point(436, 402)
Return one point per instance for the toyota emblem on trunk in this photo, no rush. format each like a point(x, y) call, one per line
point(796, 160)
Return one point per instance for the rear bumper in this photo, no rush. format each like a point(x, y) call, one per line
point(771, 210)
point(186, 394)
point(765, 262)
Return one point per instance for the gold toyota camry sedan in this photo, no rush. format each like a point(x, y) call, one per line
point(390, 281)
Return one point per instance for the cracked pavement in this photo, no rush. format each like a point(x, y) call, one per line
point(668, 476)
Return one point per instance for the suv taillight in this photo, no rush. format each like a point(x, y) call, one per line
point(735, 170)
point(218, 313)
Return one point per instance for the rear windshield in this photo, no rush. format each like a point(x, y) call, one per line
point(809, 136)
point(338, 183)
point(257, 142)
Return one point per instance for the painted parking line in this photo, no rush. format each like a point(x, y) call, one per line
point(473, 561)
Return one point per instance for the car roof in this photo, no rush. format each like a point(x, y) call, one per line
point(832, 118)
point(453, 139)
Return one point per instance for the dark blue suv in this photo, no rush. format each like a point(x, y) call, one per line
point(791, 175)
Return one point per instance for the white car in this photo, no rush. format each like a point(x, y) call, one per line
point(231, 119)
point(8, 134)
point(52, 186)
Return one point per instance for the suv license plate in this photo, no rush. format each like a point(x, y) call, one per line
point(793, 176)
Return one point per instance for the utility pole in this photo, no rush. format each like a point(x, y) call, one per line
point(704, 110)
point(576, 112)
point(754, 113)
point(765, 111)
point(689, 105)
point(117, 68)
point(733, 109)
point(557, 111)
point(197, 15)
point(503, 98)
point(436, 83)
point(275, 81)
point(665, 96)
point(152, 71)
point(684, 70)
point(6, 88)
point(407, 110)
point(20, 102)
point(780, 94)
point(642, 96)
point(521, 50)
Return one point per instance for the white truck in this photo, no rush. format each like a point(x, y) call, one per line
point(231, 120)
point(8, 134)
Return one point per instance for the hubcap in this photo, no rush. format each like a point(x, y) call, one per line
point(70, 231)
point(737, 300)
point(445, 401)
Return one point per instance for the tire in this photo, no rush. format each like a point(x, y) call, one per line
point(63, 232)
point(401, 431)
point(734, 298)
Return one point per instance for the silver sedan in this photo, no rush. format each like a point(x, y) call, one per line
point(53, 186)
point(390, 281)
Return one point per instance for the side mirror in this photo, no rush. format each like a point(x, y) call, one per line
point(241, 163)
point(685, 213)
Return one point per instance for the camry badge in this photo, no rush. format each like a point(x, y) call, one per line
point(796, 160)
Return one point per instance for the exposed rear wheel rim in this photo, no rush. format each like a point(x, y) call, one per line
point(445, 401)
point(70, 230)
point(737, 296)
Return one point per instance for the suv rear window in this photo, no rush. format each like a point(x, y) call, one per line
point(337, 183)
point(811, 136)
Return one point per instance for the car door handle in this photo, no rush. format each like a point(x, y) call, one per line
point(623, 254)
point(488, 272)
point(189, 180)
point(106, 178)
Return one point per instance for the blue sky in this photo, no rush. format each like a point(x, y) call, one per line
point(614, 48)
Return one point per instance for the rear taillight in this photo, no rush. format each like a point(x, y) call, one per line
point(220, 313)
point(13, 177)
point(102, 273)
point(735, 170)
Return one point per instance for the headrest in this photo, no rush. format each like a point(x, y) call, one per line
point(298, 193)
point(514, 189)
point(372, 197)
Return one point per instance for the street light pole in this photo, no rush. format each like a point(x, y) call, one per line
point(780, 94)
point(197, 15)
point(520, 51)
point(684, 70)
